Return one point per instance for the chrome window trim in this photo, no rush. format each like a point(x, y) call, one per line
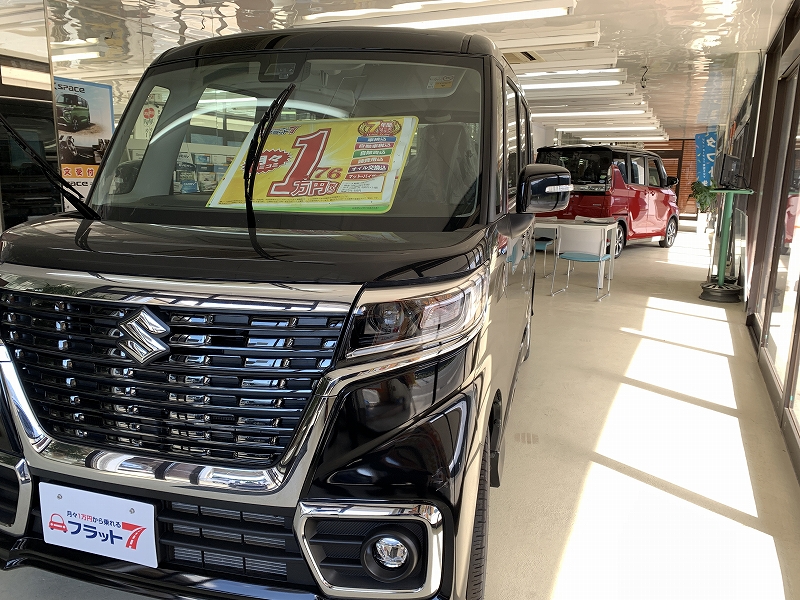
point(274, 486)
point(17, 528)
point(427, 514)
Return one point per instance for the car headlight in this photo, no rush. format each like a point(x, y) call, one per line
point(395, 319)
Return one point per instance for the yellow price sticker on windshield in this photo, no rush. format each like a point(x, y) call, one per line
point(331, 165)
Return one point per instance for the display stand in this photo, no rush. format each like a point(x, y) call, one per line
point(719, 291)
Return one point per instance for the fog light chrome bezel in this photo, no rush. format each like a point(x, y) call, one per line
point(426, 514)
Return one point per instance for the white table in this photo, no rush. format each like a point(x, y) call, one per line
point(611, 236)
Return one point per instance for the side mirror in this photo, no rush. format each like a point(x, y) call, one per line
point(672, 181)
point(545, 188)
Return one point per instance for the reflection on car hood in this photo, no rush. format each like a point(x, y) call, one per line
point(226, 254)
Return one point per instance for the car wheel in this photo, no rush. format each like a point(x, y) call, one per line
point(621, 238)
point(75, 124)
point(477, 560)
point(670, 234)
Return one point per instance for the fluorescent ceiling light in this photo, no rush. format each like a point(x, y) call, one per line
point(569, 72)
point(76, 42)
point(661, 138)
point(397, 8)
point(74, 56)
point(523, 15)
point(571, 84)
point(597, 113)
point(25, 78)
point(622, 128)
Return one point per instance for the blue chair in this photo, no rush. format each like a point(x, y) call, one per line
point(583, 243)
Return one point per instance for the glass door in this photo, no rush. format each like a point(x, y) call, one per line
point(786, 266)
point(772, 291)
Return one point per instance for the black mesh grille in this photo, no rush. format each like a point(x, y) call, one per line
point(9, 494)
point(244, 543)
point(231, 390)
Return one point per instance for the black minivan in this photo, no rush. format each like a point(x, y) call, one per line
point(275, 357)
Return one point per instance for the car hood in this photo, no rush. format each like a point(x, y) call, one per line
point(226, 254)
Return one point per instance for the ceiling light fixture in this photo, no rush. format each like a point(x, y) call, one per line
point(24, 78)
point(569, 72)
point(74, 56)
point(571, 84)
point(523, 15)
point(661, 138)
point(623, 128)
point(597, 113)
point(397, 8)
point(76, 42)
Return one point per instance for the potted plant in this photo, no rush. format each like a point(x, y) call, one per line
point(704, 199)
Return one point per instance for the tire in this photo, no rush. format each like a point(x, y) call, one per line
point(622, 239)
point(477, 560)
point(670, 233)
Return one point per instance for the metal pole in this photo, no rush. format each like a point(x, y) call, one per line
point(725, 232)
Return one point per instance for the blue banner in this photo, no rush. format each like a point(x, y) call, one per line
point(706, 148)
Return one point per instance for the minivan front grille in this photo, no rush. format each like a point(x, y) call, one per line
point(231, 390)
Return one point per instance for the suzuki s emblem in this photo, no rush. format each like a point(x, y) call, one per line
point(142, 330)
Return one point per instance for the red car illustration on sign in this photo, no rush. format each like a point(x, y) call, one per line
point(57, 523)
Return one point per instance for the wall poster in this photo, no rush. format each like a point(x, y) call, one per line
point(85, 122)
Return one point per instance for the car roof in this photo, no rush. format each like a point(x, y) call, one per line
point(598, 147)
point(340, 38)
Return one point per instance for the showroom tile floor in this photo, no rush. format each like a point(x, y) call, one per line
point(644, 460)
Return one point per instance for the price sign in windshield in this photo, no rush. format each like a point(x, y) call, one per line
point(332, 165)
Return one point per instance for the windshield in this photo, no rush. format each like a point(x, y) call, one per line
point(364, 143)
point(586, 166)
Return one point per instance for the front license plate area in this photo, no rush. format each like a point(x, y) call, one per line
point(100, 524)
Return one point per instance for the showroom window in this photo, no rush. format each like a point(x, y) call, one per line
point(620, 161)
point(512, 146)
point(653, 176)
point(638, 171)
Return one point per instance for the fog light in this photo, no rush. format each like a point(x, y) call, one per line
point(390, 552)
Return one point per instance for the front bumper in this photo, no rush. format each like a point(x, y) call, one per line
point(157, 583)
point(282, 490)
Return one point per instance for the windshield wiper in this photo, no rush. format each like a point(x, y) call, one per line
point(260, 136)
point(69, 192)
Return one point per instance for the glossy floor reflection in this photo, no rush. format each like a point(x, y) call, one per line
point(658, 470)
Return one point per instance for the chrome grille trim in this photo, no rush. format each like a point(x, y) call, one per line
point(23, 476)
point(82, 388)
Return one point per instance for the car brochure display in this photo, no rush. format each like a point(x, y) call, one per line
point(336, 165)
point(85, 122)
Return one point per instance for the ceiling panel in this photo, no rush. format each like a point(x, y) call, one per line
point(686, 63)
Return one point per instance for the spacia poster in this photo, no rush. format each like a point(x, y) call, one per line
point(332, 165)
point(85, 122)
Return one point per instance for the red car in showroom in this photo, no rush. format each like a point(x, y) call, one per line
point(628, 185)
